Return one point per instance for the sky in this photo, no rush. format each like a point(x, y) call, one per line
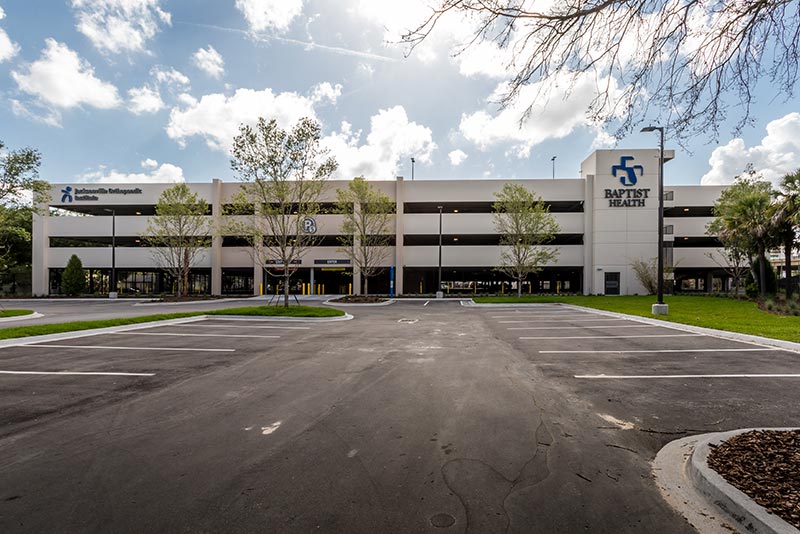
point(154, 90)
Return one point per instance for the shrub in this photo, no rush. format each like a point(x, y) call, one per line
point(73, 280)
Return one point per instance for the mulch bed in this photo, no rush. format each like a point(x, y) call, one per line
point(360, 299)
point(765, 465)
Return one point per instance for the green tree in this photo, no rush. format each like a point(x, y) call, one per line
point(694, 63)
point(367, 224)
point(742, 216)
point(786, 218)
point(73, 279)
point(283, 175)
point(178, 232)
point(20, 190)
point(525, 226)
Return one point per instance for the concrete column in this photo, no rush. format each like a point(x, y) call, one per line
point(399, 261)
point(588, 235)
point(216, 240)
point(258, 278)
point(41, 245)
point(312, 292)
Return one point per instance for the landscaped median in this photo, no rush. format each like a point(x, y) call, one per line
point(251, 311)
point(709, 312)
point(4, 314)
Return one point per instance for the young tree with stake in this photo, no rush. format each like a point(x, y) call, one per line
point(368, 217)
point(525, 226)
point(178, 233)
point(283, 175)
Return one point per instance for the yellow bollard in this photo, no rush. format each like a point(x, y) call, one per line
point(475, 288)
point(260, 289)
point(349, 289)
point(420, 288)
point(323, 289)
point(530, 287)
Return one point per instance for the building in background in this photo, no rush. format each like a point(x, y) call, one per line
point(608, 219)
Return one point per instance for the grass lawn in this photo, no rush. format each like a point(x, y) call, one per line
point(711, 312)
point(261, 311)
point(14, 313)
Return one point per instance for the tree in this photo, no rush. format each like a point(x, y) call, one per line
point(682, 58)
point(734, 260)
point(283, 175)
point(20, 187)
point(178, 233)
point(786, 218)
point(366, 229)
point(742, 216)
point(525, 225)
point(646, 271)
point(73, 279)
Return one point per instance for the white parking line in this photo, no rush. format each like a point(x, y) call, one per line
point(529, 320)
point(688, 376)
point(561, 321)
point(194, 335)
point(427, 302)
point(71, 373)
point(41, 345)
point(613, 337)
point(578, 327)
point(554, 314)
point(651, 351)
point(246, 326)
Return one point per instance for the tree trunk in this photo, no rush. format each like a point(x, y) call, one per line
point(762, 271)
point(366, 286)
point(788, 241)
point(186, 270)
point(286, 275)
point(519, 288)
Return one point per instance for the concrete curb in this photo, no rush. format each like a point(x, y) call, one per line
point(31, 340)
point(209, 301)
point(34, 315)
point(331, 303)
point(725, 334)
point(739, 508)
point(254, 318)
point(702, 496)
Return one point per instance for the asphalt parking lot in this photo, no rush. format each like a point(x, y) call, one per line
point(415, 417)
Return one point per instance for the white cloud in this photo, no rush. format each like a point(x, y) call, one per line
point(47, 116)
point(210, 61)
point(392, 138)
point(457, 157)
point(554, 115)
point(62, 79)
point(120, 25)
point(270, 14)
point(776, 155)
point(144, 100)
point(8, 48)
point(169, 76)
point(2, 14)
point(217, 117)
point(165, 173)
point(149, 163)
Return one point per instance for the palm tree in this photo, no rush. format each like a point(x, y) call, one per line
point(743, 215)
point(786, 218)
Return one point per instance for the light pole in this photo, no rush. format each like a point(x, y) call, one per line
point(439, 293)
point(553, 160)
point(412, 169)
point(112, 288)
point(659, 308)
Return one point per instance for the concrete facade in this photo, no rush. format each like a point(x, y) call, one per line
point(608, 218)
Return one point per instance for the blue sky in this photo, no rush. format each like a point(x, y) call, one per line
point(153, 90)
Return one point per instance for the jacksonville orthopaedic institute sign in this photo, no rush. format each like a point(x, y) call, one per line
point(69, 195)
point(629, 196)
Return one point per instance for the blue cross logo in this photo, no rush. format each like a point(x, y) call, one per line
point(67, 194)
point(628, 177)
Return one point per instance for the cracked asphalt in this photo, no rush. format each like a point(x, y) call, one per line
point(409, 418)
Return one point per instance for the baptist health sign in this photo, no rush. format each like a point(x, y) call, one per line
point(620, 217)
